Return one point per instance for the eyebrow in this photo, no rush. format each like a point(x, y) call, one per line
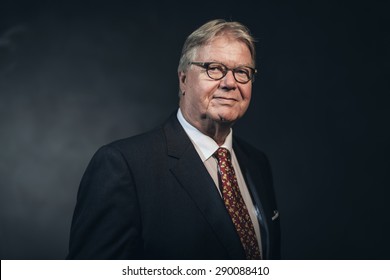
point(240, 65)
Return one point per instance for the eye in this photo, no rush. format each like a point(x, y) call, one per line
point(215, 67)
point(242, 71)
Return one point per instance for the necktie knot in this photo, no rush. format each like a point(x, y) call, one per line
point(222, 154)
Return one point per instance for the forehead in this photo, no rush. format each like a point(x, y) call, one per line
point(226, 50)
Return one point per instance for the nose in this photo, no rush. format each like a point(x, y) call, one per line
point(228, 82)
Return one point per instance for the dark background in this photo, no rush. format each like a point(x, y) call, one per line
point(77, 75)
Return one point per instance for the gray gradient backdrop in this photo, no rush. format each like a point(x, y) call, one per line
point(78, 75)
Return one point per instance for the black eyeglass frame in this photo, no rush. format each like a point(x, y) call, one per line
point(206, 65)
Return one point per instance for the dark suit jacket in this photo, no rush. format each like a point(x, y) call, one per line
point(151, 197)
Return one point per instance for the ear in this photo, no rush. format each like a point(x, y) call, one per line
point(182, 81)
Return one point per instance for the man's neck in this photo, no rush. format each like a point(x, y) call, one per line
point(218, 131)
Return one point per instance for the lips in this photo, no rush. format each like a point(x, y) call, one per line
point(221, 98)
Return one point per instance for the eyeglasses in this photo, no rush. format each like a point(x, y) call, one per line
point(217, 71)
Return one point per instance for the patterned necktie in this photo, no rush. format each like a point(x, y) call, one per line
point(235, 205)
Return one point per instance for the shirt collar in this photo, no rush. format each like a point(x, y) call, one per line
point(205, 144)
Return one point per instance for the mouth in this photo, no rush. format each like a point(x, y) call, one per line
point(225, 99)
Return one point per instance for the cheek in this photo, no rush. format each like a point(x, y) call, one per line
point(246, 94)
point(203, 92)
point(248, 97)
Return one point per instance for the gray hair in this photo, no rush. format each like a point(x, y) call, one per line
point(207, 32)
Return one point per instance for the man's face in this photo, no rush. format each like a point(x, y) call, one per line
point(221, 101)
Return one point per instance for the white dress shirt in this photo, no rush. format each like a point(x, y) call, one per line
point(206, 147)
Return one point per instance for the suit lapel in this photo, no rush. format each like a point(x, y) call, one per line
point(193, 176)
point(256, 186)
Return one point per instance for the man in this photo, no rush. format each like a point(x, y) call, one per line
point(187, 190)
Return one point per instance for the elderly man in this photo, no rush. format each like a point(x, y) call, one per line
point(188, 189)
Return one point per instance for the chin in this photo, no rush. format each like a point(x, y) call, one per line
point(227, 117)
point(227, 114)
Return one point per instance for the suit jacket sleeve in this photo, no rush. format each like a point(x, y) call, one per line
point(106, 221)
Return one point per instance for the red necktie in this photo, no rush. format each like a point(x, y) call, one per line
point(235, 205)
